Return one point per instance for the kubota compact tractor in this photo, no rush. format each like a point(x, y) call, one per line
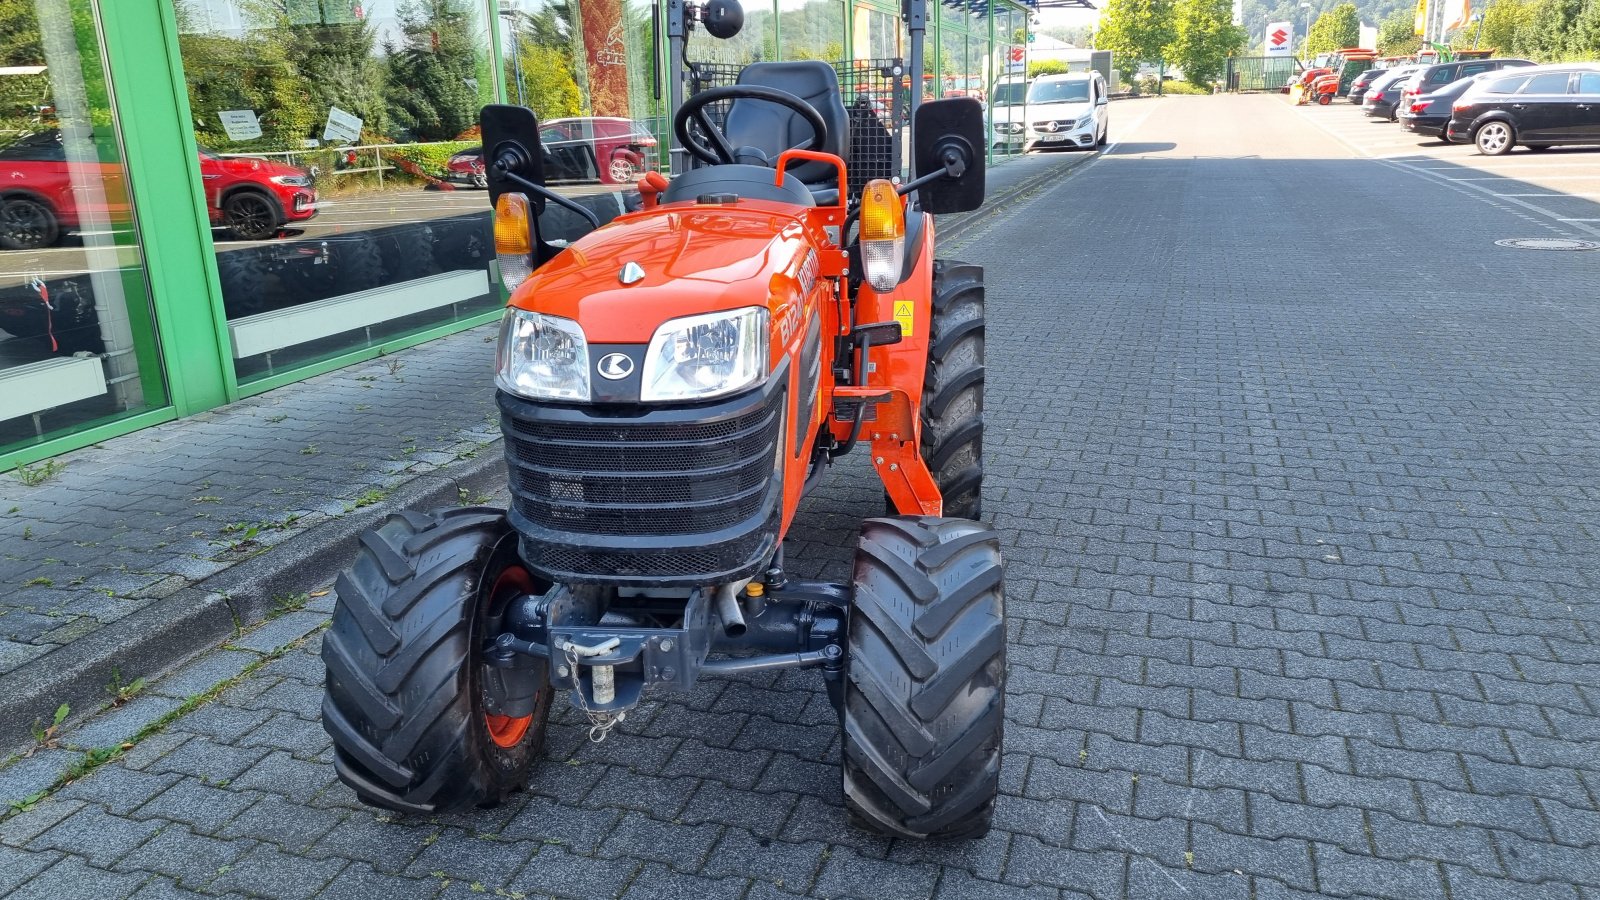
point(671, 385)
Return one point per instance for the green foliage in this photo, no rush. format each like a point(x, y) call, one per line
point(1397, 35)
point(429, 158)
point(339, 69)
point(1135, 31)
point(549, 86)
point(1204, 36)
point(433, 73)
point(1545, 31)
point(1152, 85)
point(1335, 29)
point(254, 71)
point(1046, 67)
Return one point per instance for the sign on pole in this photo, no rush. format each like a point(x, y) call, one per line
point(342, 127)
point(240, 124)
point(1280, 38)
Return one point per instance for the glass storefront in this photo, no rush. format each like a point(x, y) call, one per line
point(341, 169)
point(77, 342)
point(338, 167)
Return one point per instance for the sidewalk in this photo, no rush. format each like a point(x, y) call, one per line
point(131, 556)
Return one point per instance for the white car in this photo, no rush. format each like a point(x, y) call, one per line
point(1008, 116)
point(1067, 111)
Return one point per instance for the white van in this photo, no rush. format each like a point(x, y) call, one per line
point(1068, 111)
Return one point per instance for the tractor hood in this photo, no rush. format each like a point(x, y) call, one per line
point(695, 259)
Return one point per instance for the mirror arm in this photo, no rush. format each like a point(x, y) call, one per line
point(552, 196)
point(955, 165)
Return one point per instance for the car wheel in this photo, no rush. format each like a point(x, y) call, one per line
point(1105, 136)
point(1495, 139)
point(251, 216)
point(1324, 99)
point(1537, 148)
point(623, 169)
point(27, 224)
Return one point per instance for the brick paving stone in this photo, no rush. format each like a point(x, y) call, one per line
point(846, 873)
point(657, 882)
point(268, 872)
point(458, 854)
point(543, 820)
point(359, 881)
point(17, 866)
point(289, 825)
point(28, 776)
point(557, 872)
point(192, 859)
point(790, 865)
point(74, 879)
point(388, 845)
point(201, 807)
point(205, 673)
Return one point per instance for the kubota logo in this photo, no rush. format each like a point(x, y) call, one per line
point(615, 365)
point(1279, 36)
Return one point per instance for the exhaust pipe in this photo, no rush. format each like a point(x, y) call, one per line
point(729, 612)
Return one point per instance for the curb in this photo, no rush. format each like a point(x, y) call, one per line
point(995, 205)
point(215, 609)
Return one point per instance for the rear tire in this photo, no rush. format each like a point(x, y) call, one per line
point(251, 216)
point(404, 700)
point(924, 702)
point(952, 388)
point(1324, 99)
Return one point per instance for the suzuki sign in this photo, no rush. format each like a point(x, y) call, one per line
point(1280, 38)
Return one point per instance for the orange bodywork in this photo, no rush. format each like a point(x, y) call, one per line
point(701, 258)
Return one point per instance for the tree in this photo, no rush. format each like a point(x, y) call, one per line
point(340, 70)
point(1397, 35)
point(1542, 34)
point(433, 74)
point(1039, 67)
point(255, 71)
point(549, 89)
point(1335, 29)
point(1584, 41)
point(1500, 22)
point(1204, 36)
point(1135, 31)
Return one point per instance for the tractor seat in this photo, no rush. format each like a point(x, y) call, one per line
point(772, 129)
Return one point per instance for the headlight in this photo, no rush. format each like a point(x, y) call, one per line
point(292, 180)
point(697, 357)
point(542, 357)
point(1084, 122)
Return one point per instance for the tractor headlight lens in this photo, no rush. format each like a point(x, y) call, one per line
point(697, 357)
point(542, 357)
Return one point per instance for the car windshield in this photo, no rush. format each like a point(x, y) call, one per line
point(1059, 92)
point(1009, 94)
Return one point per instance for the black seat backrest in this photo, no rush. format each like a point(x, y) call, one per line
point(774, 129)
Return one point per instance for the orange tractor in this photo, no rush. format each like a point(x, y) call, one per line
point(1346, 65)
point(671, 386)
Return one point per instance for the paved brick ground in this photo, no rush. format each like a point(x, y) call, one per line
point(1299, 544)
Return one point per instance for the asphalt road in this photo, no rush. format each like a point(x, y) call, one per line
point(1295, 470)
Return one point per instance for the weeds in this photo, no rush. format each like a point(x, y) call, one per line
point(121, 693)
point(309, 450)
point(273, 420)
point(32, 476)
point(284, 604)
point(370, 496)
point(41, 581)
point(469, 498)
point(44, 736)
point(206, 498)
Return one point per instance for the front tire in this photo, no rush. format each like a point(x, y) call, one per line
point(27, 224)
point(952, 388)
point(1324, 99)
point(405, 703)
point(924, 700)
point(251, 216)
point(1495, 138)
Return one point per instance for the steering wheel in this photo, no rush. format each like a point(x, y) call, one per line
point(721, 152)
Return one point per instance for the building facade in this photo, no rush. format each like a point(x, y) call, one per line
point(201, 200)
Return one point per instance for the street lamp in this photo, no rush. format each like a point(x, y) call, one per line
point(1305, 31)
point(511, 15)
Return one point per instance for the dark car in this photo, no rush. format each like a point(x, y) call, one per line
point(1431, 78)
point(1536, 107)
point(1384, 92)
point(1430, 113)
point(1358, 88)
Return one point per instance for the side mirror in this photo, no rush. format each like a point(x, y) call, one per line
point(948, 136)
point(1103, 101)
point(511, 147)
point(723, 18)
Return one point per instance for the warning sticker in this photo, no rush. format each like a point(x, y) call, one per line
point(905, 312)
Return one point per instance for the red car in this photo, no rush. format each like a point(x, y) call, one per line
point(252, 198)
point(608, 149)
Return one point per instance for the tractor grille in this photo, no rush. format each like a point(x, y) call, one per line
point(657, 478)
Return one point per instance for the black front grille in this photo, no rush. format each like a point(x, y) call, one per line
point(615, 477)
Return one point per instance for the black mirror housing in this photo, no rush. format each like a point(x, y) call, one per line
point(948, 136)
point(723, 18)
point(511, 147)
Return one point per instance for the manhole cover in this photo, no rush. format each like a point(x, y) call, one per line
point(1549, 244)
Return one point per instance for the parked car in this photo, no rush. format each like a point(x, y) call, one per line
point(1384, 92)
point(1358, 88)
point(1068, 111)
point(1430, 113)
point(1537, 107)
point(1008, 114)
point(1430, 79)
point(252, 198)
point(593, 148)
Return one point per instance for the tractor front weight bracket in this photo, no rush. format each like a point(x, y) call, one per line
point(607, 661)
